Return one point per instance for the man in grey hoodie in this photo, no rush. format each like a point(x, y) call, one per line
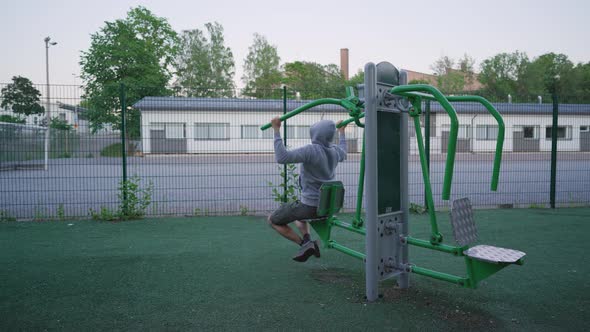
point(318, 164)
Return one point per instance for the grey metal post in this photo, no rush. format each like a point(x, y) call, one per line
point(426, 142)
point(285, 178)
point(371, 260)
point(403, 280)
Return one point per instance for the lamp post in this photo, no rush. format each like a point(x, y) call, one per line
point(48, 43)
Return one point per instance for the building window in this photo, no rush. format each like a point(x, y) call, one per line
point(486, 132)
point(211, 131)
point(563, 132)
point(62, 116)
point(464, 131)
point(175, 130)
point(584, 129)
point(171, 130)
point(250, 131)
point(528, 132)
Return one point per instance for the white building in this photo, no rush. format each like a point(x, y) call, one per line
point(38, 119)
point(224, 125)
point(528, 127)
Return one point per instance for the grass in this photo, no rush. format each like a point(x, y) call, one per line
point(234, 273)
point(113, 150)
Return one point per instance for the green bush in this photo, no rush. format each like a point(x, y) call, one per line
point(291, 188)
point(133, 201)
point(113, 150)
point(138, 199)
point(12, 119)
point(417, 208)
point(6, 216)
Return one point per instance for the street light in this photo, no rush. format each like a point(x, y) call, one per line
point(48, 43)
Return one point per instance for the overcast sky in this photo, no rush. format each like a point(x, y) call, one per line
point(409, 34)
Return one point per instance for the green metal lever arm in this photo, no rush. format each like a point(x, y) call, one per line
point(349, 120)
point(413, 91)
point(493, 112)
point(342, 102)
point(501, 130)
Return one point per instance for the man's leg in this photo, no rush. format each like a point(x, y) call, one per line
point(303, 229)
point(286, 231)
point(290, 212)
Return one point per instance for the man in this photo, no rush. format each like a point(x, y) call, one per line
point(318, 165)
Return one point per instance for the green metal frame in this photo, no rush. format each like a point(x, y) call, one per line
point(476, 270)
point(330, 203)
point(351, 103)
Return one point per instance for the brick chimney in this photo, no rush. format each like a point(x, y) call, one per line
point(344, 62)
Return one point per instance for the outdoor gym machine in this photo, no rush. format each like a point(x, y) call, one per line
point(388, 102)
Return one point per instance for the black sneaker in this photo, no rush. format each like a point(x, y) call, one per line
point(316, 246)
point(307, 249)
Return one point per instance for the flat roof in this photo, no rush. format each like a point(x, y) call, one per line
point(171, 104)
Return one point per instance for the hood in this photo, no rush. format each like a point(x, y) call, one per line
point(322, 132)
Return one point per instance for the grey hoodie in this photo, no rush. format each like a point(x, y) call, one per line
point(318, 159)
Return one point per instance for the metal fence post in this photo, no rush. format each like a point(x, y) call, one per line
point(123, 142)
point(285, 178)
point(554, 150)
point(427, 143)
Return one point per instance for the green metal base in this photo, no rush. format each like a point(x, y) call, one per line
point(479, 270)
point(324, 229)
point(476, 270)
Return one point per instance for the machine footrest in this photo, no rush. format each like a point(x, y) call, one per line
point(494, 255)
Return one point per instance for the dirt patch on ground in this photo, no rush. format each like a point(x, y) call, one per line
point(435, 306)
point(440, 307)
point(333, 276)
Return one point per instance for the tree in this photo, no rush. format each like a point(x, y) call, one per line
point(442, 65)
point(22, 97)
point(262, 75)
point(59, 124)
point(205, 66)
point(448, 79)
point(550, 73)
point(418, 81)
point(137, 51)
point(504, 74)
point(358, 78)
point(465, 66)
point(579, 90)
point(313, 80)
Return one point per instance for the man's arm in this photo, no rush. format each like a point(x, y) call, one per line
point(342, 146)
point(282, 155)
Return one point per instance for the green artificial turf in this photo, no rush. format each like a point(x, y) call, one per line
point(235, 273)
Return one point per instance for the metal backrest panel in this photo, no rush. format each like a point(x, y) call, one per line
point(332, 191)
point(464, 229)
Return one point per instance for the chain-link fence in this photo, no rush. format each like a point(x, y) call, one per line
point(208, 156)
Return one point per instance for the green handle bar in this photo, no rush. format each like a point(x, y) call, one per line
point(500, 139)
point(349, 120)
point(495, 114)
point(410, 91)
point(300, 109)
